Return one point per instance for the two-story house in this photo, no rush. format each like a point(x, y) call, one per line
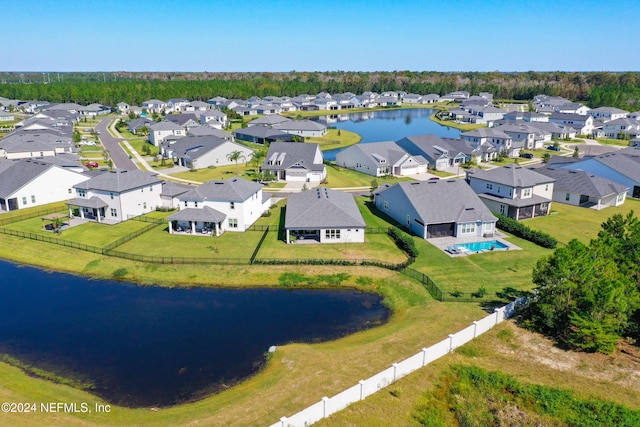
point(500, 141)
point(380, 159)
point(513, 191)
point(116, 196)
point(218, 206)
point(291, 161)
point(165, 131)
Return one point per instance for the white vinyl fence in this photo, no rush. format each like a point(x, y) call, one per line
point(330, 405)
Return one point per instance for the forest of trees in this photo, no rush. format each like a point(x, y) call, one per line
point(595, 89)
point(588, 296)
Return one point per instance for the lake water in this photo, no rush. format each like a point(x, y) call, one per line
point(152, 346)
point(387, 125)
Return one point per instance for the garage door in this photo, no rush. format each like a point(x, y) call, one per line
point(440, 230)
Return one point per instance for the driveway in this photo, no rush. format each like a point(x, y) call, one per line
point(119, 157)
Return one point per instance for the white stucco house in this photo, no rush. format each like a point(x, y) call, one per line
point(218, 206)
point(380, 159)
point(295, 161)
point(165, 131)
point(29, 183)
point(117, 195)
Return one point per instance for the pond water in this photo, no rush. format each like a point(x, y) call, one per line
point(152, 346)
point(387, 125)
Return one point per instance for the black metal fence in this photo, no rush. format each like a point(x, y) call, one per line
point(11, 218)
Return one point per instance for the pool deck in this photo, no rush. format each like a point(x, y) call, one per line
point(443, 243)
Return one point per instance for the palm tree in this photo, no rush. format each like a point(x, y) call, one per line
point(234, 156)
point(257, 157)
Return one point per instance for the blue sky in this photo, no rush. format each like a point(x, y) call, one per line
point(320, 35)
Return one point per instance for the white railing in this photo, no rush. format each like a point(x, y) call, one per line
point(330, 405)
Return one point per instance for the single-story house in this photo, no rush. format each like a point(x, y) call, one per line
point(198, 152)
point(380, 159)
point(580, 188)
point(430, 209)
point(295, 161)
point(323, 215)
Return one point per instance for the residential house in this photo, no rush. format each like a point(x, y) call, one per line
point(528, 116)
point(607, 114)
point(380, 159)
point(123, 107)
point(154, 106)
point(184, 120)
point(198, 106)
point(6, 117)
point(214, 118)
point(513, 191)
point(165, 131)
point(582, 123)
point(210, 131)
point(269, 121)
point(622, 166)
point(323, 215)
point(302, 128)
point(484, 138)
point(117, 195)
point(434, 149)
point(198, 152)
point(572, 108)
point(291, 161)
point(261, 135)
point(29, 183)
point(430, 209)
point(218, 206)
point(624, 128)
point(580, 188)
point(170, 194)
point(176, 105)
point(529, 136)
point(136, 124)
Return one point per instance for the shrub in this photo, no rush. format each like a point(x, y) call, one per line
point(518, 229)
point(120, 273)
point(404, 242)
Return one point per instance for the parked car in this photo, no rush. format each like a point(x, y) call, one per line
point(91, 164)
point(552, 148)
point(527, 155)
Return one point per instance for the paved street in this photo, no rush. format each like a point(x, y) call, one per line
point(119, 157)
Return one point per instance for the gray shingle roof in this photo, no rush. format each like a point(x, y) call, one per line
point(119, 181)
point(290, 154)
point(511, 175)
point(92, 202)
point(165, 126)
point(172, 189)
point(627, 165)
point(196, 146)
point(444, 201)
point(16, 173)
point(205, 214)
point(231, 190)
point(322, 208)
point(576, 181)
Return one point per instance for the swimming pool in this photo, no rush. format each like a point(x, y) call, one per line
point(482, 246)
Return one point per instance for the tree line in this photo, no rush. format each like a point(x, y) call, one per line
point(595, 89)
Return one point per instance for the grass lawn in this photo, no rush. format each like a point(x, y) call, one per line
point(453, 124)
point(138, 143)
point(568, 222)
point(339, 177)
point(617, 142)
point(89, 233)
point(247, 171)
point(336, 138)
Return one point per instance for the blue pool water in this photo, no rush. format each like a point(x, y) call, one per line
point(482, 246)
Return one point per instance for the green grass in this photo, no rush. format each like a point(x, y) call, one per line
point(617, 142)
point(568, 222)
point(247, 171)
point(138, 143)
point(336, 138)
point(339, 177)
point(451, 123)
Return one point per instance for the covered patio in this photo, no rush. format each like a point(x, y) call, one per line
point(196, 221)
point(92, 208)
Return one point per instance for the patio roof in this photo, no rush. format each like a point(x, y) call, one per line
point(93, 202)
point(206, 214)
point(533, 200)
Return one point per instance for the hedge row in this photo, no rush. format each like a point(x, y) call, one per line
point(518, 229)
point(404, 242)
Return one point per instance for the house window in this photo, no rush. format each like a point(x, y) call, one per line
point(526, 192)
point(567, 197)
point(232, 205)
point(33, 199)
point(233, 223)
point(488, 227)
point(386, 205)
point(150, 188)
point(620, 197)
point(144, 205)
point(111, 195)
point(468, 228)
point(82, 193)
point(142, 190)
point(186, 204)
point(332, 234)
point(114, 212)
point(489, 186)
point(195, 204)
point(70, 190)
point(24, 200)
point(546, 187)
point(503, 209)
